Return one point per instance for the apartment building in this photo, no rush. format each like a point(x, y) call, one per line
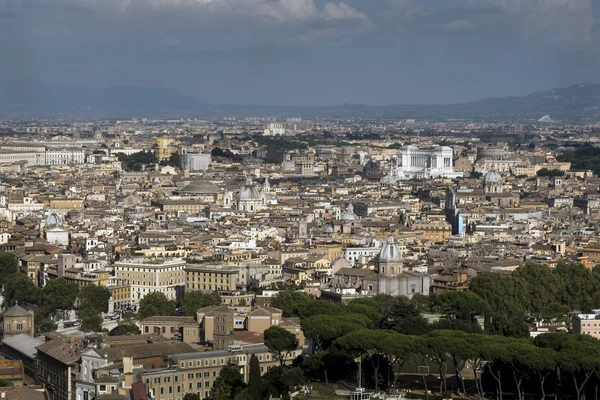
point(197, 372)
point(146, 276)
point(587, 324)
point(210, 278)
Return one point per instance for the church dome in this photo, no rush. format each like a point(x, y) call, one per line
point(349, 214)
point(53, 219)
point(249, 192)
point(492, 176)
point(371, 165)
point(390, 251)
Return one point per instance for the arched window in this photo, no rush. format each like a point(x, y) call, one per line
point(20, 326)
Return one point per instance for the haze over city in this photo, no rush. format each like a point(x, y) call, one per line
point(306, 52)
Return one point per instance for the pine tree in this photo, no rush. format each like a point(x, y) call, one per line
point(254, 379)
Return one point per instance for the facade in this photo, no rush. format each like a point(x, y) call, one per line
point(206, 278)
point(65, 156)
point(145, 276)
point(196, 372)
point(194, 162)
point(58, 367)
point(251, 199)
point(587, 324)
point(415, 163)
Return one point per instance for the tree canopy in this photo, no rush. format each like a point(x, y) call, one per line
point(156, 304)
point(193, 301)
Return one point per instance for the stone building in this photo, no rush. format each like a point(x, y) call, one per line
point(17, 321)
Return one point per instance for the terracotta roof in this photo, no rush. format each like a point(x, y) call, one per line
point(146, 350)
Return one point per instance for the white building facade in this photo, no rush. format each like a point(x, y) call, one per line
point(415, 163)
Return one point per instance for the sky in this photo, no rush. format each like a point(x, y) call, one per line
point(306, 52)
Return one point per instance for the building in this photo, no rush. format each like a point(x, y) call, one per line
point(415, 163)
point(12, 370)
point(17, 321)
point(197, 372)
point(146, 276)
point(22, 348)
point(184, 329)
point(251, 199)
point(58, 366)
point(207, 278)
point(587, 324)
point(65, 156)
point(195, 162)
point(389, 277)
point(275, 129)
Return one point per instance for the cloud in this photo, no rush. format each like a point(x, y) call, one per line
point(171, 41)
point(459, 26)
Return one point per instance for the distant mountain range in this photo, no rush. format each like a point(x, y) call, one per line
point(577, 103)
point(23, 94)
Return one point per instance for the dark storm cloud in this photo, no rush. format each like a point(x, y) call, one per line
point(306, 51)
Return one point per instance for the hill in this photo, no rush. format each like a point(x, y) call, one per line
point(29, 94)
point(577, 103)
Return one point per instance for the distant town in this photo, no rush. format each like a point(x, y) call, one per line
point(286, 257)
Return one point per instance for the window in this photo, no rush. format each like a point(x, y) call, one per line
point(19, 326)
point(103, 388)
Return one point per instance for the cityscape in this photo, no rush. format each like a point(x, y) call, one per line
point(299, 199)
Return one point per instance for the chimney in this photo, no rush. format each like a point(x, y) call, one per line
point(128, 380)
point(127, 364)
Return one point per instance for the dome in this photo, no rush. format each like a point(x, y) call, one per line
point(200, 187)
point(390, 251)
point(249, 193)
point(53, 219)
point(349, 214)
point(371, 165)
point(493, 176)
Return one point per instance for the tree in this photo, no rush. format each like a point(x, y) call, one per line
point(254, 380)
point(125, 327)
point(6, 383)
point(229, 384)
point(8, 265)
point(367, 343)
point(290, 301)
point(59, 294)
point(91, 320)
point(191, 396)
point(156, 304)
point(404, 318)
point(550, 172)
point(193, 301)
point(324, 329)
point(545, 287)
point(19, 288)
point(579, 356)
point(461, 305)
point(370, 310)
point(280, 342)
point(542, 362)
point(496, 350)
point(397, 349)
point(279, 380)
point(95, 297)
